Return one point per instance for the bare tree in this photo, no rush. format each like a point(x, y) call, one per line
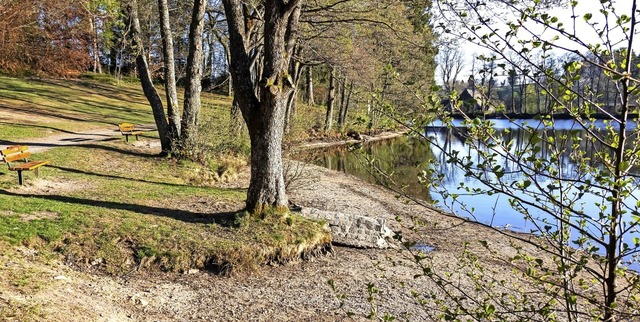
point(450, 60)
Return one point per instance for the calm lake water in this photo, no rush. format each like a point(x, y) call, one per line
point(405, 158)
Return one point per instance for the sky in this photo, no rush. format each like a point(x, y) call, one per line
point(584, 31)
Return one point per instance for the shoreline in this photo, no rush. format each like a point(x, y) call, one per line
point(318, 144)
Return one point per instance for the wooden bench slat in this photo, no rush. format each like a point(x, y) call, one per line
point(14, 149)
point(29, 165)
point(126, 127)
point(23, 155)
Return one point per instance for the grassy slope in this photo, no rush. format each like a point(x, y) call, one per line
point(113, 207)
point(66, 106)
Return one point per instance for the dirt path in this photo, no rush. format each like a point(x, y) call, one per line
point(294, 292)
point(71, 139)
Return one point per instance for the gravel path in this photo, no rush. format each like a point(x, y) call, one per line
point(71, 139)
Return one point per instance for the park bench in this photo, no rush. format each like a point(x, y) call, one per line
point(20, 153)
point(128, 129)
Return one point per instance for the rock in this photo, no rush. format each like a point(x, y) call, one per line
point(60, 277)
point(96, 261)
point(138, 300)
point(354, 134)
point(353, 230)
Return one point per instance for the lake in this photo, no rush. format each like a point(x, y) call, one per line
point(405, 158)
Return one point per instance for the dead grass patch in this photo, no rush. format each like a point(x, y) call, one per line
point(41, 186)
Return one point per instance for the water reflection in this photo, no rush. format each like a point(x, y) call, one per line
point(406, 158)
point(475, 199)
point(403, 159)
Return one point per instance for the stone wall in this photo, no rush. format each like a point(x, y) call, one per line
point(353, 230)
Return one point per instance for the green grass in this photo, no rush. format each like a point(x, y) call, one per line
point(60, 106)
point(116, 208)
point(123, 211)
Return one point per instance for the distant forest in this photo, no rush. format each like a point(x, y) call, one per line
point(497, 89)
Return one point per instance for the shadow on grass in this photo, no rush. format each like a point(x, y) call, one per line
point(48, 128)
point(42, 112)
point(224, 219)
point(93, 87)
point(117, 150)
point(79, 142)
point(72, 103)
point(111, 176)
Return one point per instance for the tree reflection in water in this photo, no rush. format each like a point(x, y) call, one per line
point(403, 160)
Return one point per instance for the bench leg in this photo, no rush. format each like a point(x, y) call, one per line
point(126, 137)
point(36, 172)
point(20, 181)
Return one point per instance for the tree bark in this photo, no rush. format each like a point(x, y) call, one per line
point(295, 71)
point(346, 105)
point(169, 71)
point(97, 66)
point(343, 94)
point(113, 60)
point(328, 120)
point(310, 99)
point(145, 79)
point(264, 116)
point(192, 103)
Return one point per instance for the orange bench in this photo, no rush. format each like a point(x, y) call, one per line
point(21, 153)
point(128, 129)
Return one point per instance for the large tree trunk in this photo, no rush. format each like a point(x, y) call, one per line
point(193, 87)
point(234, 121)
point(169, 71)
point(328, 120)
point(145, 79)
point(264, 116)
point(267, 187)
